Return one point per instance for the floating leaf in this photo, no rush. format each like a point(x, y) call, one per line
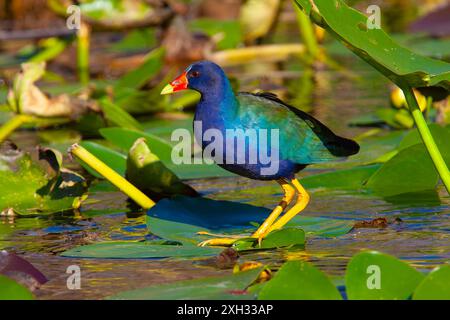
point(286, 237)
point(218, 288)
point(138, 250)
point(353, 178)
point(28, 189)
point(373, 275)
point(299, 280)
point(435, 286)
point(232, 216)
point(11, 290)
point(410, 170)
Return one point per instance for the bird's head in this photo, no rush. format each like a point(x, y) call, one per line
point(200, 76)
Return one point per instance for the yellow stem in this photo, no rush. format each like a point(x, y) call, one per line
point(12, 124)
point(113, 177)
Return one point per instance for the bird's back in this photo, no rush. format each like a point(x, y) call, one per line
point(302, 138)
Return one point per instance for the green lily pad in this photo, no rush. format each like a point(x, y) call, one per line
point(138, 250)
point(299, 280)
point(353, 178)
point(286, 237)
point(118, 116)
point(11, 290)
point(218, 288)
point(375, 46)
point(373, 275)
point(411, 170)
point(29, 188)
point(435, 286)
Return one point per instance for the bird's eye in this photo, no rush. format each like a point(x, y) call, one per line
point(195, 74)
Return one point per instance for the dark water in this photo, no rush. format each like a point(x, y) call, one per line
point(420, 235)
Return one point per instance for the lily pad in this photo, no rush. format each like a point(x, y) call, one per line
point(435, 286)
point(410, 170)
point(299, 280)
point(138, 250)
point(218, 288)
point(230, 217)
point(29, 188)
point(373, 275)
point(375, 46)
point(286, 237)
point(11, 290)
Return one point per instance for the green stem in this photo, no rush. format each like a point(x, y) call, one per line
point(112, 176)
point(83, 39)
point(307, 33)
point(12, 124)
point(426, 136)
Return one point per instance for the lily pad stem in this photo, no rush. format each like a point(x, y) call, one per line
point(12, 124)
point(426, 136)
point(112, 176)
point(83, 41)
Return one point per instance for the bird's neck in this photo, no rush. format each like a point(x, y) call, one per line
point(217, 103)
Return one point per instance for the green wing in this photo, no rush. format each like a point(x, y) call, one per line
point(303, 139)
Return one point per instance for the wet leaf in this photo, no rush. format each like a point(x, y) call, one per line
point(218, 288)
point(373, 275)
point(28, 188)
point(299, 280)
point(11, 290)
point(376, 47)
point(138, 250)
point(435, 286)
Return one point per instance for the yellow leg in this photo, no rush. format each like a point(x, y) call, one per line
point(302, 202)
point(223, 240)
point(289, 193)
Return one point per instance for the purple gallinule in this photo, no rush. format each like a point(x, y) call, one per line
point(300, 139)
